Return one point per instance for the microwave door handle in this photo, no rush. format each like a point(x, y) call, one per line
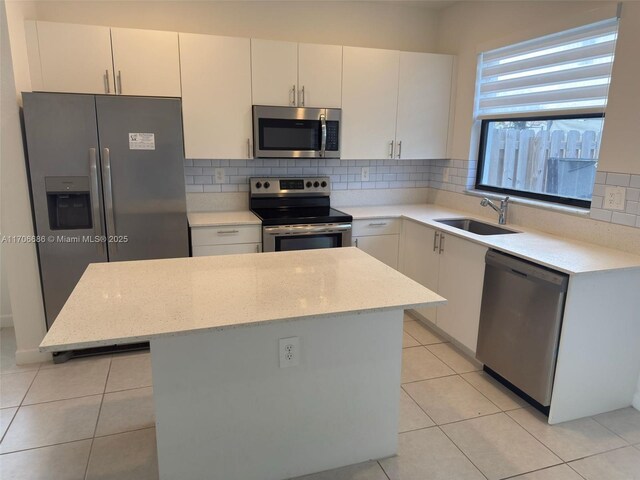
point(323, 142)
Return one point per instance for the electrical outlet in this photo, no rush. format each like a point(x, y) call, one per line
point(614, 198)
point(289, 352)
point(219, 173)
point(364, 176)
point(445, 175)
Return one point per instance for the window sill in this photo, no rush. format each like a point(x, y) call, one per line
point(582, 212)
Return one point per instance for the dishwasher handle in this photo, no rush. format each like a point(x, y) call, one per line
point(528, 270)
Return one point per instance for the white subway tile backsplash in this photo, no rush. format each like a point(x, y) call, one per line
point(623, 219)
point(618, 179)
point(445, 174)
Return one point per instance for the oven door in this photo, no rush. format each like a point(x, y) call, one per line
point(305, 237)
point(296, 132)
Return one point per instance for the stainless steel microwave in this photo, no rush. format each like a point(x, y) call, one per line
point(290, 132)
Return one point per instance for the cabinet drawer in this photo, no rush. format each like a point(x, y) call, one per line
point(206, 250)
point(226, 235)
point(376, 226)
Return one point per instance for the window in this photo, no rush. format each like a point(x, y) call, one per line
point(541, 105)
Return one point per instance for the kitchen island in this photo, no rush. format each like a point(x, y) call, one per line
point(227, 405)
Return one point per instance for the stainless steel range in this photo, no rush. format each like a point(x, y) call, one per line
point(296, 214)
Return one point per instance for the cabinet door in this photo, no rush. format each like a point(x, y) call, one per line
point(382, 247)
point(460, 282)
point(274, 72)
point(319, 75)
point(420, 259)
point(423, 105)
point(146, 62)
point(216, 96)
point(369, 102)
point(75, 58)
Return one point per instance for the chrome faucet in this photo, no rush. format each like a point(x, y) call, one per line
point(502, 210)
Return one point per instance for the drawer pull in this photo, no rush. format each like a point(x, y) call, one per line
point(228, 232)
point(436, 235)
point(381, 224)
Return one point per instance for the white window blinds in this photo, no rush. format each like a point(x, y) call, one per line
point(570, 70)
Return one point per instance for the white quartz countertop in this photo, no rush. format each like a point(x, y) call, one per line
point(569, 256)
point(219, 219)
point(128, 302)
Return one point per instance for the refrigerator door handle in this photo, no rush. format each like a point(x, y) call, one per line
point(95, 205)
point(108, 196)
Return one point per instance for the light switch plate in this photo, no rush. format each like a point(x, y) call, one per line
point(614, 198)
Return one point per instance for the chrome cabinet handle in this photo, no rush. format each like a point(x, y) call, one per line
point(257, 248)
point(391, 149)
point(106, 81)
point(108, 195)
point(436, 235)
point(95, 205)
point(302, 99)
point(119, 82)
point(380, 224)
point(323, 141)
point(441, 249)
point(356, 242)
point(249, 148)
point(227, 232)
point(293, 95)
point(399, 148)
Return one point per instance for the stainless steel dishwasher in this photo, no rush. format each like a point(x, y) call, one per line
point(520, 321)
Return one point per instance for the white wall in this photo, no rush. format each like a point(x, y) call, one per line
point(468, 28)
point(368, 24)
point(619, 151)
point(15, 216)
point(5, 303)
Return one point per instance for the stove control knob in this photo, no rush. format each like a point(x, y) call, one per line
point(267, 184)
point(309, 184)
point(323, 184)
point(316, 184)
point(258, 184)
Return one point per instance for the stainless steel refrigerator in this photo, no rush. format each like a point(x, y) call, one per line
point(107, 184)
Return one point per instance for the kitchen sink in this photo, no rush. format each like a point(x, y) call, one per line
point(474, 226)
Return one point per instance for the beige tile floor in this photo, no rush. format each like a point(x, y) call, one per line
point(93, 419)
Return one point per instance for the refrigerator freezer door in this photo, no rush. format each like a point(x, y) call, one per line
point(143, 177)
point(62, 147)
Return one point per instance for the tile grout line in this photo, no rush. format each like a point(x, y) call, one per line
point(95, 428)
point(460, 450)
point(76, 441)
point(593, 417)
point(420, 407)
point(575, 459)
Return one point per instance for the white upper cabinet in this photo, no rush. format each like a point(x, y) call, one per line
point(319, 75)
point(274, 72)
point(369, 102)
point(423, 105)
point(146, 62)
point(73, 58)
point(216, 96)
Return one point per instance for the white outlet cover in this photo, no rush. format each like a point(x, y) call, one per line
point(614, 198)
point(365, 174)
point(219, 174)
point(289, 352)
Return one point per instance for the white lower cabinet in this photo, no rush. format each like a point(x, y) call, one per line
point(452, 267)
point(380, 238)
point(226, 240)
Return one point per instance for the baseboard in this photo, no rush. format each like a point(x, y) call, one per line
point(6, 321)
point(33, 355)
point(445, 335)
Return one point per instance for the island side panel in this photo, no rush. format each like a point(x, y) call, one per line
point(226, 410)
point(599, 355)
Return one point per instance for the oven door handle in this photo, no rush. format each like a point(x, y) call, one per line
point(323, 141)
point(307, 229)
